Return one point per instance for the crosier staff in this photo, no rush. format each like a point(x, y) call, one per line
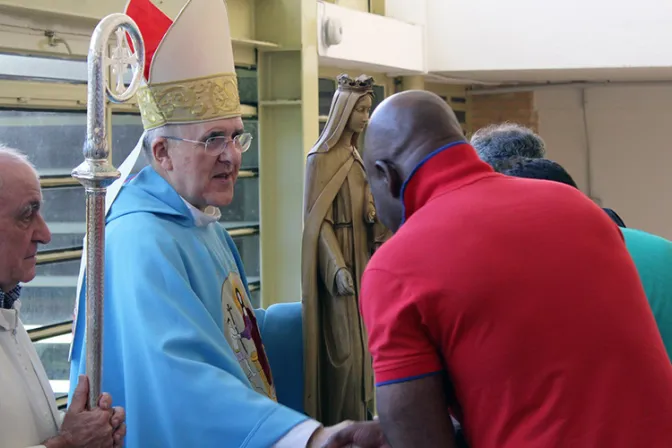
point(96, 173)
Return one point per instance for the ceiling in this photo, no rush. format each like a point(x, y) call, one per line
point(619, 74)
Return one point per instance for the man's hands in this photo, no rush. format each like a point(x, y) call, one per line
point(359, 434)
point(345, 286)
point(102, 427)
point(350, 434)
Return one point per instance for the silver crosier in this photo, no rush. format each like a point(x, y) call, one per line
point(97, 173)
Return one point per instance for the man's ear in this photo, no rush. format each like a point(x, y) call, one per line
point(161, 154)
point(390, 176)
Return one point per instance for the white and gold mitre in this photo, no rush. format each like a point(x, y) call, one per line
point(189, 70)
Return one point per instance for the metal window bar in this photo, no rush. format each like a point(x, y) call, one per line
point(65, 180)
point(59, 255)
point(62, 402)
point(50, 331)
point(65, 327)
point(75, 253)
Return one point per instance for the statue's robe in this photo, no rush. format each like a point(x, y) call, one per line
point(338, 373)
point(182, 345)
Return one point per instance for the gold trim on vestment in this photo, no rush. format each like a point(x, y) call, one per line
point(190, 100)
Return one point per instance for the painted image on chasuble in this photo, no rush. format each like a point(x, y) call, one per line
point(242, 333)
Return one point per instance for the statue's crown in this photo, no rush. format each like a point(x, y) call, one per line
point(361, 83)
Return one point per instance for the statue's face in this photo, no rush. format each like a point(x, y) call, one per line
point(360, 114)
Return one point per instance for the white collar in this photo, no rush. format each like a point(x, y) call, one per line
point(205, 217)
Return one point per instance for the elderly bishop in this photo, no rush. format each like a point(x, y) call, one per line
point(183, 349)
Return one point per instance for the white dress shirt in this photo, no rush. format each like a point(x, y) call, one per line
point(28, 412)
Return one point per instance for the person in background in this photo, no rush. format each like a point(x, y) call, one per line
point(652, 254)
point(28, 412)
point(498, 143)
point(514, 329)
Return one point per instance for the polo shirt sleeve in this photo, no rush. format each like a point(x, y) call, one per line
point(399, 340)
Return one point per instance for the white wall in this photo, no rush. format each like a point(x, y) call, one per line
point(371, 42)
point(409, 11)
point(628, 136)
point(474, 35)
point(359, 5)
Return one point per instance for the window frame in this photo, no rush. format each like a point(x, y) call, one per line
point(48, 95)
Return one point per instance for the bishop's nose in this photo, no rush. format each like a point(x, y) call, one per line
point(230, 156)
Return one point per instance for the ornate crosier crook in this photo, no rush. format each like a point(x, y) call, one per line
point(96, 173)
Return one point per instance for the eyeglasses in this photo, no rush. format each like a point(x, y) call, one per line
point(214, 146)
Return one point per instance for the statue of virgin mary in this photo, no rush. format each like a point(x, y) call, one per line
point(340, 234)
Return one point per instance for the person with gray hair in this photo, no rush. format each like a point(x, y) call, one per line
point(503, 141)
point(28, 414)
point(508, 145)
point(652, 254)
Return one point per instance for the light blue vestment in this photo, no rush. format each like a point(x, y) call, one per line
point(182, 349)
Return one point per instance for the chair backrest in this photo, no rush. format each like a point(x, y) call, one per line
point(281, 328)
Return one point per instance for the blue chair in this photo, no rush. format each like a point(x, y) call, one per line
point(281, 328)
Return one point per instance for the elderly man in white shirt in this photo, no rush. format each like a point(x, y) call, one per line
point(28, 413)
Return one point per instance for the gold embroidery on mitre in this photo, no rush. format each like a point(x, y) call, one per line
point(190, 100)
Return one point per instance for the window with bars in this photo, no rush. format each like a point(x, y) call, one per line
point(53, 141)
point(459, 106)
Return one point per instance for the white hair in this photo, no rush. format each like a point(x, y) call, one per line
point(150, 135)
point(500, 142)
point(16, 156)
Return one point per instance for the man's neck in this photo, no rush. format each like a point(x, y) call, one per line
point(8, 295)
point(7, 288)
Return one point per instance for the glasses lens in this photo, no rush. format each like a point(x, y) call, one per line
point(243, 141)
point(215, 145)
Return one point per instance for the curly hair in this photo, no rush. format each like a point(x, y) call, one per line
point(503, 141)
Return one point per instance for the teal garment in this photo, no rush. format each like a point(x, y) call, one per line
point(653, 257)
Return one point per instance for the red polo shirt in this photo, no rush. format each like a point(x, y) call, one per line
point(522, 292)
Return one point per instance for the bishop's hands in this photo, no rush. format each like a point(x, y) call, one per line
point(350, 434)
point(345, 286)
point(102, 427)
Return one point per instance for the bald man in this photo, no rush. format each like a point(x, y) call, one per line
point(464, 306)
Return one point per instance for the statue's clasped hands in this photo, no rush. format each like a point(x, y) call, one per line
point(345, 286)
point(370, 211)
point(371, 216)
